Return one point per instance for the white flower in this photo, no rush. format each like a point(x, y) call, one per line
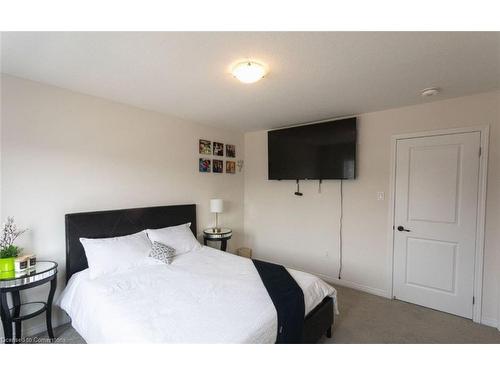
point(9, 233)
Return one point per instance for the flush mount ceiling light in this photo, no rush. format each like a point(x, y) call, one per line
point(430, 91)
point(249, 71)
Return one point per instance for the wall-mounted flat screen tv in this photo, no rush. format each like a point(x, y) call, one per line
point(321, 151)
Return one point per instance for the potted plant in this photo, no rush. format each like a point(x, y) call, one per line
point(9, 251)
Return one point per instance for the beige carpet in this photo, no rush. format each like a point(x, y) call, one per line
point(365, 318)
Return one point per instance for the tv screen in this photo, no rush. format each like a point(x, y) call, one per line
point(321, 151)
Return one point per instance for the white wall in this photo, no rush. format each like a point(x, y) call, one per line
point(303, 232)
point(65, 152)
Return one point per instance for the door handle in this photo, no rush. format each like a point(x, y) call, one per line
point(402, 229)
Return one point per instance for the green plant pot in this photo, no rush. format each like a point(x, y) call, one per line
point(7, 264)
point(7, 275)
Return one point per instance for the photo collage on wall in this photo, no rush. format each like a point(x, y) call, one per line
point(216, 149)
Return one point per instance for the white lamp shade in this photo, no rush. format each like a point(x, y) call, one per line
point(216, 205)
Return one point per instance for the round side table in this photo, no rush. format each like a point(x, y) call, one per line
point(221, 236)
point(13, 283)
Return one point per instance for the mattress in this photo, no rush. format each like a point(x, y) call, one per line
point(205, 296)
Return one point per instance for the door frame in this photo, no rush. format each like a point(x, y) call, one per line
point(481, 207)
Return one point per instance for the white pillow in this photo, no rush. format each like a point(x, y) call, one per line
point(179, 237)
point(116, 254)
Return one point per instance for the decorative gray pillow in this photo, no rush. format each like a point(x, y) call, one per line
point(162, 252)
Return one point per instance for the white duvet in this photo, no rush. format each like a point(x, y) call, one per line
point(204, 296)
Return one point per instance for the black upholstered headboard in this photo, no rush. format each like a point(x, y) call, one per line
point(116, 223)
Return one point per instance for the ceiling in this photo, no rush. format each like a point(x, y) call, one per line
point(313, 75)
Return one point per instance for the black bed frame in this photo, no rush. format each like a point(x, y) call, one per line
point(102, 224)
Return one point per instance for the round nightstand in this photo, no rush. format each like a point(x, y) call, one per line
point(221, 236)
point(13, 283)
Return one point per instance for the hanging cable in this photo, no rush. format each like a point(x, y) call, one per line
point(298, 193)
point(340, 229)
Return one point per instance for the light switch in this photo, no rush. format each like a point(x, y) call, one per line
point(380, 196)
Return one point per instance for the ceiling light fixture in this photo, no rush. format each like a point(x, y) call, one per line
point(249, 71)
point(430, 91)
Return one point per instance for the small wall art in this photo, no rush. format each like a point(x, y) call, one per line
point(218, 166)
point(204, 165)
point(230, 167)
point(218, 149)
point(205, 147)
point(230, 151)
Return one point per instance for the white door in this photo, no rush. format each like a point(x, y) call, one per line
point(435, 221)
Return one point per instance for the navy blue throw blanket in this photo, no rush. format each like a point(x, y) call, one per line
point(288, 299)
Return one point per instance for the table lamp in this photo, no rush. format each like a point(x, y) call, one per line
point(216, 207)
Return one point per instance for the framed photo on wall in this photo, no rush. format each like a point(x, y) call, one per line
point(230, 151)
point(218, 166)
point(218, 149)
point(230, 167)
point(205, 147)
point(204, 165)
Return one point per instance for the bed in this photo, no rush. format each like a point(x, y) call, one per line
point(207, 296)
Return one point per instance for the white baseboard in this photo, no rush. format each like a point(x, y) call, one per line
point(341, 282)
point(360, 287)
point(491, 322)
point(62, 318)
point(487, 321)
